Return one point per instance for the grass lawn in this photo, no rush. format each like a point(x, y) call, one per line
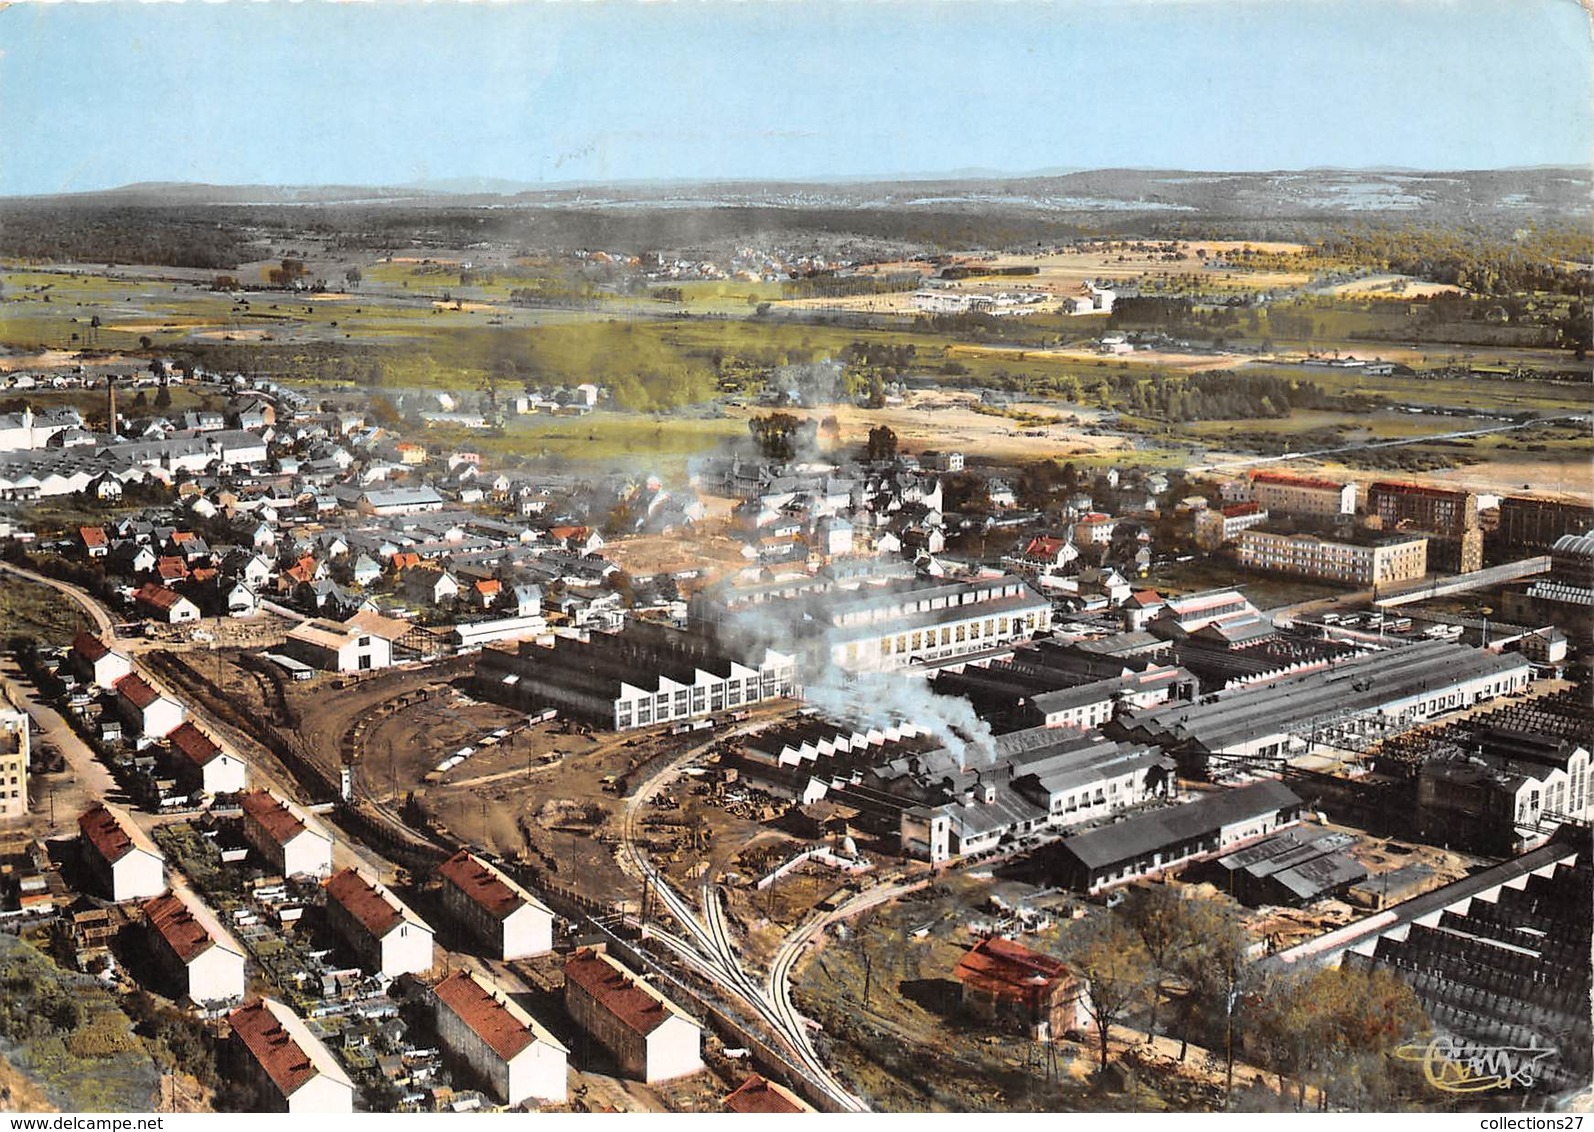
point(29, 609)
point(1265, 591)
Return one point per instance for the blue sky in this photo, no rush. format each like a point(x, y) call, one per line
point(98, 95)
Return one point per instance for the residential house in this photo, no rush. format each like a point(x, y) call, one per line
point(500, 1044)
point(510, 921)
point(650, 1037)
point(193, 951)
point(153, 714)
point(123, 862)
point(203, 765)
point(1007, 982)
point(291, 843)
point(388, 938)
point(291, 1068)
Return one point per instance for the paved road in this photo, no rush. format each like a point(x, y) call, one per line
point(86, 781)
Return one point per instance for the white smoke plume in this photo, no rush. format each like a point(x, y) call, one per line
point(881, 701)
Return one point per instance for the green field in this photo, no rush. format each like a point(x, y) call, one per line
point(29, 609)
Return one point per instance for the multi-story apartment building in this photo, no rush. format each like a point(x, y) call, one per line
point(1450, 516)
point(14, 747)
point(1286, 494)
point(1371, 563)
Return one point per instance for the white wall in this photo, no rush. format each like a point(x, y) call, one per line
point(675, 1049)
point(216, 975)
point(407, 949)
point(538, 1072)
point(309, 854)
point(137, 876)
point(527, 931)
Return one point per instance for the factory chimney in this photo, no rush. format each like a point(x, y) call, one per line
point(110, 403)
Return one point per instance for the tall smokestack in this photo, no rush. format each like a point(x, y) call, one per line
point(110, 402)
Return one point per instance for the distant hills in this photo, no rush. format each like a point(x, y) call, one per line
point(1534, 194)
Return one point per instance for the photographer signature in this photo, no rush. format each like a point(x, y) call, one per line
point(1457, 1065)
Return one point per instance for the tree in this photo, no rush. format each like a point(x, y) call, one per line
point(163, 397)
point(353, 276)
point(384, 412)
point(1110, 956)
point(776, 434)
point(882, 443)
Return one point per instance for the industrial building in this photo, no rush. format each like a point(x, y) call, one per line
point(292, 1069)
point(388, 939)
point(650, 1037)
point(1293, 868)
point(643, 675)
point(1498, 959)
point(195, 954)
point(1051, 684)
point(500, 1044)
point(1006, 982)
point(1170, 836)
point(1370, 561)
point(880, 626)
point(1389, 690)
point(363, 643)
point(511, 922)
point(1502, 781)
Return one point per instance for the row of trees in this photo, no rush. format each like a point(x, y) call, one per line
point(1544, 259)
point(1168, 959)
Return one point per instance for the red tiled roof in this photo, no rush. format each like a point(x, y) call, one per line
point(479, 884)
point(102, 830)
point(489, 586)
point(135, 691)
point(1289, 480)
point(194, 744)
point(170, 916)
point(615, 991)
point(486, 1016)
point(89, 647)
point(93, 536)
point(1235, 510)
point(756, 1095)
point(170, 567)
point(1387, 487)
point(369, 907)
point(568, 532)
point(158, 596)
point(1045, 546)
point(405, 560)
point(1143, 598)
point(1006, 968)
point(275, 818)
point(279, 1055)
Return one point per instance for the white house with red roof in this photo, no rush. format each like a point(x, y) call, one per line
point(510, 921)
point(389, 939)
point(162, 604)
point(197, 954)
point(154, 714)
point(97, 661)
point(203, 765)
point(119, 855)
point(650, 1037)
point(504, 1047)
point(289, 840)
point(292, 1069)
point(96, 544)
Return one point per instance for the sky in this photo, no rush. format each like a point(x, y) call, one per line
point(543, 92)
